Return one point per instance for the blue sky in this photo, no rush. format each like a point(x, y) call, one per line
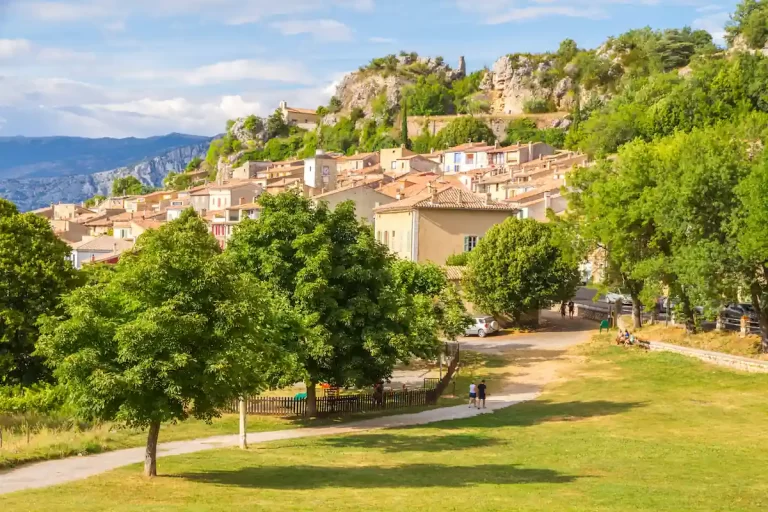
point(119, 68)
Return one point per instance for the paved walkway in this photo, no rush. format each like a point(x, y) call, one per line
point(524, 387)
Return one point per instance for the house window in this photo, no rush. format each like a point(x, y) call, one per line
point(497, 187)
point(470, 242)
point(386, 238)
point(470, 159)
point(378, 236)
point(393, 239)
point(394, 165)
point(457, 158)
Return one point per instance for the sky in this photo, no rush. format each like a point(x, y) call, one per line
point(137, 68)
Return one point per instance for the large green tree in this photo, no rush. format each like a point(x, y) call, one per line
point(34, 273)
point(173, 331)
point(519, 267)
point(613, 204)
point(465, 129)
point(751, 242)
point(127, 186)
point(339, 279)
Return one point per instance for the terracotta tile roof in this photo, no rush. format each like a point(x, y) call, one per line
point(301, 111)
point(448, 198)
point(233, 184)
point(360, 156)
point(283, 182)
point(359, 184)
point(480, 149)
point(464, 147)
point(104, 243)
point(147, 223)
point(499, 178)
point(245, 206)
point(412, 184)
point(454, 273)
point(549, 186)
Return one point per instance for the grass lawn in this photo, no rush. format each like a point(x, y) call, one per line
point(728, 342)
point(629, 430)
point(48, 444)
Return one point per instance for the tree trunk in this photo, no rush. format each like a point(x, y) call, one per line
point(762, 315)
point(452, 367)
point(690, 321)
point(637, 313)
point(243, 425)
point(311, 398)
point(150, 458)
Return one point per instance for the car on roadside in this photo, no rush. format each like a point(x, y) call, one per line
point(618, 298)
point(734, 312)
point(483, 326)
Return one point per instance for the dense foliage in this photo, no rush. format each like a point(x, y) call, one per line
point(173, 331)
point(34, 272)
point(360, 319)
point(129, 186)
point(525, 130)
point(518, 267)
point(750, 21)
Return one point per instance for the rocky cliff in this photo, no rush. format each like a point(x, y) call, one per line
point(386, 78)
point(32, 193)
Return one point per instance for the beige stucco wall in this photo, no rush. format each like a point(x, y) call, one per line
point(366, 199)
point(399, 223)
point(442, 232)
point(387, 156)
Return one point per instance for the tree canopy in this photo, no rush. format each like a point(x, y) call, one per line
point(339, 279)
point(518, 267)
point(465, 129)
point(173, 331)
point(34, 273)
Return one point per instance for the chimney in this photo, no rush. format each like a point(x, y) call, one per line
point(547, 201)
point(530, 150)
point(496, 145)
point(399, 196)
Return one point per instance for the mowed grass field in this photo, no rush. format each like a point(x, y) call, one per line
point(628, 431)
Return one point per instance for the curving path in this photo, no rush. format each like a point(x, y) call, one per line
point(560, 335)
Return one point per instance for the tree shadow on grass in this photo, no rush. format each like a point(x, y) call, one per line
point(536, 412)
point(408, 476)
point(392, 443)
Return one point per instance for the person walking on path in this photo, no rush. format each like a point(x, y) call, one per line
point(472, 395)
point(481, 393)
point(562, 309)
point(571, 307)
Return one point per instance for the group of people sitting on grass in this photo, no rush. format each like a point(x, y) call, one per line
point(625, 338)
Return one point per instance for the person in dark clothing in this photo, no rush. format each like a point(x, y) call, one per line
point(571, 307)
point(481, 394)
point(562, 309)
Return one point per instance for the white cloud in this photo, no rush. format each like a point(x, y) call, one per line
point(64, 55)
point(230, 71)
point(56, 106)
point(495, 12)
point(714, 24)
point(529, 13)
point(115, 26)
point(381, 40)
point(12, 48)
point(320, 30)
point(234, 12)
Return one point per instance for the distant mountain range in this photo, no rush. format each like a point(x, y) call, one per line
point(35, 172)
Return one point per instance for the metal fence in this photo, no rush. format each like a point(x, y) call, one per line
point(338, 405)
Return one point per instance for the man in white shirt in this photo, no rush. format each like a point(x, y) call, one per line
point(472, 395)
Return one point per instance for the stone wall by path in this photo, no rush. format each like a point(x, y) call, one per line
point(736, 362)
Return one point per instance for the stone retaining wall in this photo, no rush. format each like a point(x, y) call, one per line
point(736, 362)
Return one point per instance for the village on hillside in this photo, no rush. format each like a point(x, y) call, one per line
point(459, 192)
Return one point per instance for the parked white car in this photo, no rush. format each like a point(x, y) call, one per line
point(617, 298)
point(483, 326)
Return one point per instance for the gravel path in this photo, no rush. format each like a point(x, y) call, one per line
point(562, 334)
